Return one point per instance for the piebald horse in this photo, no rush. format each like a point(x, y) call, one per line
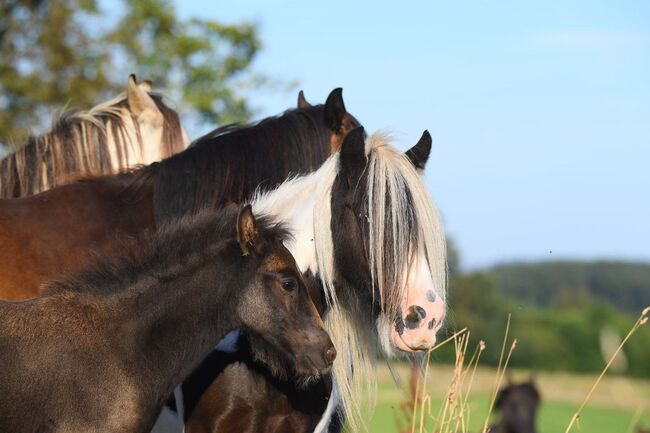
point(370, 241)
point(104, 348)
point(135, 128)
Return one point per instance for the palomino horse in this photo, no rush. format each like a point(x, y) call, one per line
point(518, 404)
point(132, 129)
point(44, 234)
point(135, 324)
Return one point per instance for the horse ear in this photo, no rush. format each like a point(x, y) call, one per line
point(247, 234)
point(140, 103)
point(302, 102)
point(419, 154)
point(146, 85)
point(335, 110)
point(353, 154)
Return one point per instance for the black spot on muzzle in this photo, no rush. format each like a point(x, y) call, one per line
point(415, 315)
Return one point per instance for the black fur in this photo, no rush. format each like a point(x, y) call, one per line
point(105, 347)
point(230, 163)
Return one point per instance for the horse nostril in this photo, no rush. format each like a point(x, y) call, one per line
point(415, 315)
point(330, 355)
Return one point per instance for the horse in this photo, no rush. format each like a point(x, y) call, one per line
point(135, 323)
point(518, 405)
point(371, 244)
point(132, 129)
point(44, 234)
point(374, 207)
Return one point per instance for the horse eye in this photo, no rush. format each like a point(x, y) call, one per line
point(289, 285)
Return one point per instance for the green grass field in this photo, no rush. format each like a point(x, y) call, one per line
point(612, 408)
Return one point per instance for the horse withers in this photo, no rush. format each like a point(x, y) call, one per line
point(105, 347)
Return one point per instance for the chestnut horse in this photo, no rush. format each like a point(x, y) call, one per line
point(135, 324)
point(132, 129)
point(45, 234)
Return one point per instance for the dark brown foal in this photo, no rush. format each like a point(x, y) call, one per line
point(105, 348)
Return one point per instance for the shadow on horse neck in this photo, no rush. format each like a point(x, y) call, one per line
point(135, 324)
point(518, 404)
point(132, 129)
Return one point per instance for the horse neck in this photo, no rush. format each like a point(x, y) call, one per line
point(172, 324)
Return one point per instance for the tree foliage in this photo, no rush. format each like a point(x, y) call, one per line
point(72, 52)
point(549, 338)
point(625, 285)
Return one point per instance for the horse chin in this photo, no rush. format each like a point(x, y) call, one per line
point(398, 341)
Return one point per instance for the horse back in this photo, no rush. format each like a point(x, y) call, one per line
point(45, 235)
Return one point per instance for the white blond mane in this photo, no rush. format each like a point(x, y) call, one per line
point(390, 176)
point(102, 140)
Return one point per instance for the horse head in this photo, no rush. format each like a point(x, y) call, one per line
point(389, 238)
point(285, 331)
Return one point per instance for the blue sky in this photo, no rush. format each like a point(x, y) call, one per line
point(540, 112)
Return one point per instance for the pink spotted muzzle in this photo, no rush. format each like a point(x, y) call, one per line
point(417, 320)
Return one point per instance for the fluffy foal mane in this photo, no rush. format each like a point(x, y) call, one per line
point(132, 259)
point(78, 143)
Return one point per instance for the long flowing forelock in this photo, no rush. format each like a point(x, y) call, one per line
point(402, 220)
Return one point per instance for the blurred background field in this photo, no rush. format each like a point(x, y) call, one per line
point(612, 408)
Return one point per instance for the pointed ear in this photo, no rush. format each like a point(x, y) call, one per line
point(335, 110)
point(247, 234)
point(140, 103)
point(419, 154)
point(146, 85)
point(302, 102)
point(353, 154)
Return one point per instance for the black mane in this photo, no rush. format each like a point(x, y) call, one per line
point(228, 164)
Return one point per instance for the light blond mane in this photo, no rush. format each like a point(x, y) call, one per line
point(85, 143)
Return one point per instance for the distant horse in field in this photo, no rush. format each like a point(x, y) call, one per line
point(518, 404)
point(135, 128)
point(103, 351)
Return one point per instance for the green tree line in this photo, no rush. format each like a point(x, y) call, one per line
point(76, 53)
point(559, 332)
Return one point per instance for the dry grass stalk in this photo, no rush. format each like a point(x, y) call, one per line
point(453, 415)
point(642, 320)
point(501, 369)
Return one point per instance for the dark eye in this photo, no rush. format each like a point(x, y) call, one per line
point(289, 285)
